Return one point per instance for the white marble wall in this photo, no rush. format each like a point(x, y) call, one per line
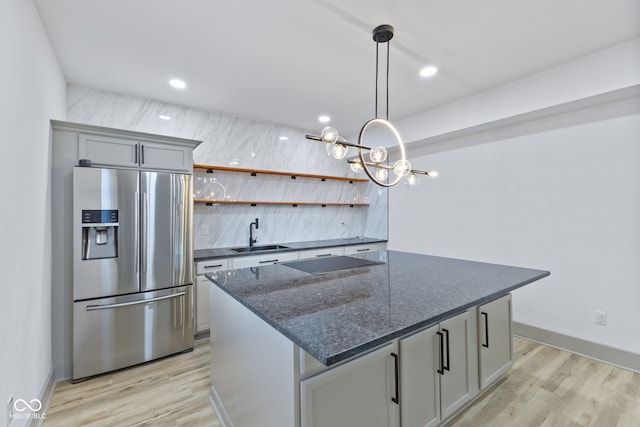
point(246, 143)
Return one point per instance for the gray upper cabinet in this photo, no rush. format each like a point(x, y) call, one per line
point(121, 152)
point(166, 157)
point(108, 151)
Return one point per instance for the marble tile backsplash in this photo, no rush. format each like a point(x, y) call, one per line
point(246, 143)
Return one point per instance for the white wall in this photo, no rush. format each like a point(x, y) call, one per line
point(33, 92)
point(560, 194)
point(541, 173)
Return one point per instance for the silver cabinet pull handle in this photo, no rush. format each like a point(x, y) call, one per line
point(124, 304)
point(362, 250)
point(268, 261)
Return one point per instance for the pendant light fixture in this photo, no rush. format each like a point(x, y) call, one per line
point(338, 147)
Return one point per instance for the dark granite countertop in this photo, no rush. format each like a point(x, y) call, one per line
point(217, 253)
point(340, 314)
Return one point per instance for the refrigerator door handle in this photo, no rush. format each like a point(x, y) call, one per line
point(124, 304)
point(175, 200)
point(136, 231)
point(145, 230)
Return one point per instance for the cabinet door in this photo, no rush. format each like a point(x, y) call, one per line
point(420, 390)
point(203, 321)
point(458, 379)
point(495, 339)
point(356, 394)
point(166, 157)
point(107, 151)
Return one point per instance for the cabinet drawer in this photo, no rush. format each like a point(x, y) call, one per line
point(211, 266)
point(319, 253)
point(358, 249)
point(260, 260)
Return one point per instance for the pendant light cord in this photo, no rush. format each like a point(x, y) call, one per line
point(376, 109)
point(388, 45)
point(387, 80)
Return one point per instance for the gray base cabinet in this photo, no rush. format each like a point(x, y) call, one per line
point(420, 380)
point(203, 285)
point(439, 371)
point(359, 393)
point(459, 376)
point(420, 391)
point(494, 340)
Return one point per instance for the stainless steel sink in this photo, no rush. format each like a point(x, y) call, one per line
point(258, 248)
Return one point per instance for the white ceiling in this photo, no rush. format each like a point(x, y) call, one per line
point(288, 61)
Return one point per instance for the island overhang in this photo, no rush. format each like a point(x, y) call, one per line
point(336, 315)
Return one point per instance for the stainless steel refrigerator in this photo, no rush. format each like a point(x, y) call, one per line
point(132, 267)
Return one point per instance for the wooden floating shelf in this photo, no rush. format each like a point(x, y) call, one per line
point(294, 204)
point(293, 175)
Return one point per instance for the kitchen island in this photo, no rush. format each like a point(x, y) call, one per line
point(340, 340)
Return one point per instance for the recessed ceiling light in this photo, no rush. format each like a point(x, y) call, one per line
point(324, 119)
point(178, 84)
point(283, 138)
point(428, 71)
point(163, 117)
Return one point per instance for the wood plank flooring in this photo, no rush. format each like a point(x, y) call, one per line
point(546, 387)
point(168, 392)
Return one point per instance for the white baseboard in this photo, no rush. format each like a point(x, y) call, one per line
point(45, 398)
point(218, 408)
point(613, 356)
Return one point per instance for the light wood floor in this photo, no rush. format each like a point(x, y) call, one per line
point(168, 392)
point(545, 387)
point(549, 387)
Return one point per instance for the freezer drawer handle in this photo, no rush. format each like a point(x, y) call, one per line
point(124, 304)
